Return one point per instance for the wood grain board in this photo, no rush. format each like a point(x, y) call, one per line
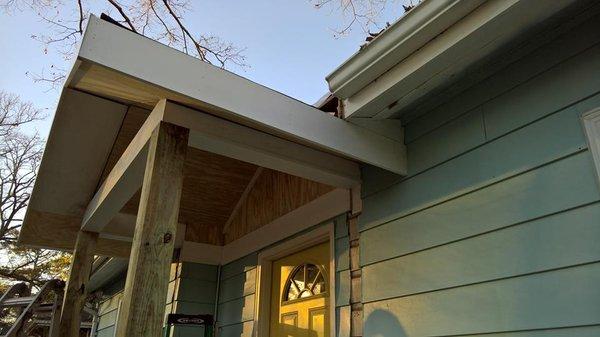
point(213, 186)
point(274, 194)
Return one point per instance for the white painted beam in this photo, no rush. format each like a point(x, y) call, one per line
point(220, 136)
point(216, 135)
point(198, 84)
point(125, 179)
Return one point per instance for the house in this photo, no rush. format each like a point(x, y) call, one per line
point(457, 195)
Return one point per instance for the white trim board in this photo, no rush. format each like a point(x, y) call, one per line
point(326, 207)
point(591, 124)
point(216, 135)
point(201, 253)
point(192, 82)
point(321, 209)
point(220, 136)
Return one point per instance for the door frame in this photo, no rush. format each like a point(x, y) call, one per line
point(262, 309)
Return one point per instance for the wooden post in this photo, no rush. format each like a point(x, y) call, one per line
point(143, 307)
point(76, 290)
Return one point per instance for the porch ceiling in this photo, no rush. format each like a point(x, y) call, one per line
point(89, 136)
point(236, 126)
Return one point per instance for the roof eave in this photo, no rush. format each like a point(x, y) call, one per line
point(406, 35)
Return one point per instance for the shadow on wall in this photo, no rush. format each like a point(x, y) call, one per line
point(382, 323)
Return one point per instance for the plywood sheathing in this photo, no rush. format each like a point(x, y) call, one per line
point(273, 195)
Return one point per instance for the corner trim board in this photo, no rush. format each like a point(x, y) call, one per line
point(591, 125)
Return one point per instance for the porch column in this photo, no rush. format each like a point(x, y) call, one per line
point(76, 290)
point(143, 307)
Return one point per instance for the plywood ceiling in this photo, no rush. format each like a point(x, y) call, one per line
point(212, 184)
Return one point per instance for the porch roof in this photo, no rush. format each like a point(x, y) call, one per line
point(236, 126)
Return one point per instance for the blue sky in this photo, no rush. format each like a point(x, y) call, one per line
point(290, 46)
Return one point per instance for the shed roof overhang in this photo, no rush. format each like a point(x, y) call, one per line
point(131, 68)
point(116, 71)
point(428, 49)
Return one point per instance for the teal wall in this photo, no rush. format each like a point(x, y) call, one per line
point(192, 290)
point(237, 296)
point(495, 230)
point(108, 309)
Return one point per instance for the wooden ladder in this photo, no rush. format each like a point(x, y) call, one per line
point(31, 309)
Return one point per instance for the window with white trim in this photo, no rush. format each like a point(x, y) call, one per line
point(591, 123)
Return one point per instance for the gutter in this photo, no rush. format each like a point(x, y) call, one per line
point(409, 33)
point(105, 270)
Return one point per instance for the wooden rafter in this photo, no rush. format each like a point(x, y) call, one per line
point(217, 135)
point(243, 197)
point(125, 178)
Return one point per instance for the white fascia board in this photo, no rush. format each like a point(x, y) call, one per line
point(470, 39)
point(236, 98)
point(417, 27)
point(217, 135)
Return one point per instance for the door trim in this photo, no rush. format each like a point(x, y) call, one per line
point(262, 308)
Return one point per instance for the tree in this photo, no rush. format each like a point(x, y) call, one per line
point(161, 20)
point(20, 155)
point(366, 14)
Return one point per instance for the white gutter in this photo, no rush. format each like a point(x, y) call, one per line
point(423, 23)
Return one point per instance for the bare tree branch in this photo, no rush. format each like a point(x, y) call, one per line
point(120, 9)
point(20, 155)
point(365, 14)
point(80, 15)
point(161, 20)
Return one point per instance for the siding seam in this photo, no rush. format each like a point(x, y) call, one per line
point(487, 142)
point(237, 298)
point(499, 279)
point(233, 324)
point(237, 274)
point(525, 330)
point(520, 223)
point(506, 91)
point(468, 191)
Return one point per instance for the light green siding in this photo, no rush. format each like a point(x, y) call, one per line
point(109, 307)
point(237, 297)
point(192, 290)
point(195, 291)
point(495, 230)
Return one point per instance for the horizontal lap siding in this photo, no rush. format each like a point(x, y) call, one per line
point(109, 307)
point(194, 287)
point(107, 316)
point(237, 297)
point(566, 297)
point(495, 230)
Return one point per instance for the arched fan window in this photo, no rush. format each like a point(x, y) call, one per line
point(305, 280)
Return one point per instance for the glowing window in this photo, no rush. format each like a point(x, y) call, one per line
point(306, 280)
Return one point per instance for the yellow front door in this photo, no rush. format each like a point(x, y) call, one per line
point(300, 293)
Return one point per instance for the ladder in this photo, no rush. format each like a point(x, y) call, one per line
point(33, 310)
